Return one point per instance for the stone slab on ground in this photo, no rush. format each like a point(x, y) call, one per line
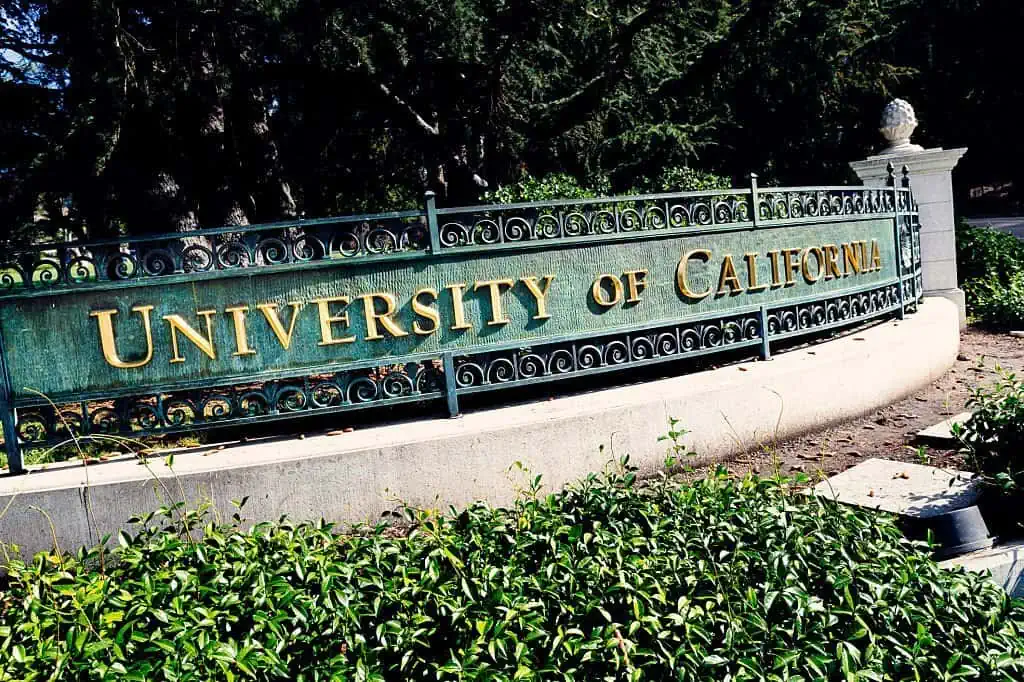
point(1005, 563)
point(913, 490)
point(942, 433)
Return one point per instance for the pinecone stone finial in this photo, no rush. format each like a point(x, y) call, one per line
point(897, 125)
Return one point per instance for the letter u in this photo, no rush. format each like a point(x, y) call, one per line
point(105, 320)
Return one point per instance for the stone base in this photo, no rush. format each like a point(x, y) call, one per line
point(956, 296)
point(433, 463)
point(1003, 563)
point(912, 490)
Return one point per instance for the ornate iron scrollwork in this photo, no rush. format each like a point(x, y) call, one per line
point(156, 413)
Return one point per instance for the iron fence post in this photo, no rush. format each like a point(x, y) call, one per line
point(766, 350)
point(754, 199)
point(450, 384)
point(891, 170)
point(430, 201)
point(912, 227)
point(14, 461)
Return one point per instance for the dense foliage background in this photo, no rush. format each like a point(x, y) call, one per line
point(153, 116)
point(718, 580)
point(990, 268)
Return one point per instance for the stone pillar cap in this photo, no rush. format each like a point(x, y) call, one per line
point(919, 162)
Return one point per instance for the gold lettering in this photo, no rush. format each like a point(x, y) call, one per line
point(327, 337)
point(241, 341)
point(386, 318)
point(776, 279)
point(751, 259)
point(790, 266)
point(682, 273)
point(426, 311)
point(851, 259)
point(498, 316)
point(104, 319)
point(864, 255)
point(820, 257)
point(178, 324)
point(597, 291)
point(458, 307)
point(636, 281)
point(876, 256)
point(831, 262)
point(540, 295)
point(728, 276)
point(269, 311)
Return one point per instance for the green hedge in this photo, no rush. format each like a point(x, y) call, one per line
point(982, 253)
point(990, 266)
point(564, 186)
point(718, 580)
point(993, 438)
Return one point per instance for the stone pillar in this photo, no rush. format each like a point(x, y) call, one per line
point(931, 172)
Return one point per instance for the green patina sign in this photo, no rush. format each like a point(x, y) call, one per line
point(221, 325)
point(239, 327)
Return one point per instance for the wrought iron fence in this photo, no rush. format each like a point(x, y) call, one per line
point(115, 266)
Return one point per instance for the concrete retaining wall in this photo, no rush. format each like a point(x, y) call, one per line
point(437, 462)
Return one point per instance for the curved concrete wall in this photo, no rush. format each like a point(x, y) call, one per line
point(437, 462)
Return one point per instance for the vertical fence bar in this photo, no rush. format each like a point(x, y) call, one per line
point(14, 461)
point(86, 423)
point(766, 350)
point(754, 199)
point(913, 225)
point(896, 237)
point(450, 384)
point(430, 201)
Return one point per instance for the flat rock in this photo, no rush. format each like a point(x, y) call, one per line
point(942, 433)
point(913, 490)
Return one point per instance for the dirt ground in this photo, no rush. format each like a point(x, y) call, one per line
point(890, 432)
